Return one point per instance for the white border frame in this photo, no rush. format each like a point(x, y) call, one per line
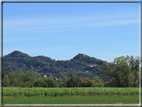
point(70, 1)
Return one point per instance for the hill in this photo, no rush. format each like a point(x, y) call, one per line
point(81, 65)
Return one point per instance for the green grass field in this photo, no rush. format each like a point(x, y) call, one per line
point(53, 92)
point(70, 95)
point(79, 100)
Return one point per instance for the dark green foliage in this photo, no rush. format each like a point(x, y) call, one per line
point(6, 81)
point(51, 83)
point(40, 83)
point(80, 100)
point(20, 79)
point(18, 61)
point(21, 70)
point(27, 79)
point(62, 81)
point(84, 59)
point(74, 82)
point(123, 72)
point(5, 71)
point(17, 54)
point(30, 76)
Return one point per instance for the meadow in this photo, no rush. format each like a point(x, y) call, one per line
point(58, 92)
point(86, 95)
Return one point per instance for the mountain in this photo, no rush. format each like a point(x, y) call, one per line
point(81, 65)
point(17, 54)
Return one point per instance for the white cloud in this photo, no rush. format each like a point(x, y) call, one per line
point(61, 23)
point(20, 39)
point(54, 48)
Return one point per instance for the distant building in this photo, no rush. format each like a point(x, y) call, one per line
point(82, 54)
point(92, 65)
point(87, 71)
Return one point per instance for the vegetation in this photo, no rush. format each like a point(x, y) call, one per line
point(122, 72)
point(77, 66)
point(82, 77)
point(58, 92)
point(27, 79)
point(74, 82)
point(86, 82)
point(79, 100)
point(30, 79)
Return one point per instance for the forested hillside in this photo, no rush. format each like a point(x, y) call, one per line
point(81, 65)
point(21, 70)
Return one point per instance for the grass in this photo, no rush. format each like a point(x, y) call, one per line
point(53, 92)
point(88, 95)
point(79, 100)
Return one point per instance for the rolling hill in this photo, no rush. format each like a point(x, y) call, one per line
point(81, 65)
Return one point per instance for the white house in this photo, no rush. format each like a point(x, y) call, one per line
point(87, 71)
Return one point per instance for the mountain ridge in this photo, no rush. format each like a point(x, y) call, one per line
point(17, 54)
point(80, 65)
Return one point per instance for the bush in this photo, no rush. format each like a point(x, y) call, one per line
point(74, 82)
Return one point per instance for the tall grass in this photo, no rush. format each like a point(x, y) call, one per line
point(53, 92)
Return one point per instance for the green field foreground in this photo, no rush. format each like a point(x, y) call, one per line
point(89, 95)
point(79, 100)
point(54, 92)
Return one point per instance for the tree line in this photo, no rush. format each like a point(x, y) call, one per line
point(122, 72)
point(30, 79)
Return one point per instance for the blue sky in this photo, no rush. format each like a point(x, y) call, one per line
point(62, 30)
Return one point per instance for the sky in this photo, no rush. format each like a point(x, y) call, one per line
point(63, 30)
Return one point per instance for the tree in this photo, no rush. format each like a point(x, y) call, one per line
point(98, 83)
point(131, 78)
point(122, 72)
point(6, 81)
point(12, 76)
point(19, 78)
point(62, 81)
point(87, 82)
point(74, 82)
point(5, 71)
point(51, 82)
point(40, 83)
point(15, 82)
point(30, 76)
point(134, 63)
